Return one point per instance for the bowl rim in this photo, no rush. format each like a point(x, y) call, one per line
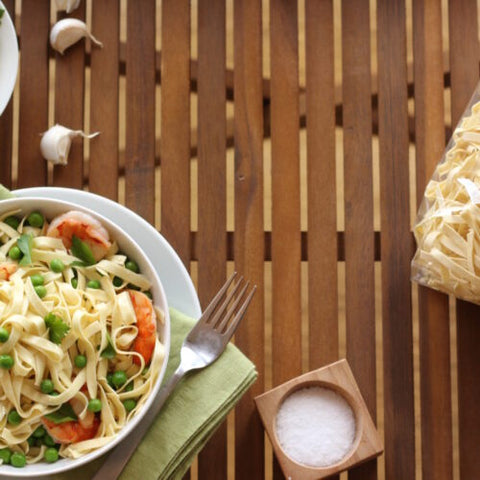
point(65, 464)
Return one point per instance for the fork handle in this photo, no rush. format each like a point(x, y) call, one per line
point(119, 456)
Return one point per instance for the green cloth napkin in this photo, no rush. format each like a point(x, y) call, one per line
point(190, 416)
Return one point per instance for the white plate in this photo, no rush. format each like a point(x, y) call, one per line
point(8, 58)
point(176, 281)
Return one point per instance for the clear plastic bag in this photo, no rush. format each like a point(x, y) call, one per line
point(447, 229)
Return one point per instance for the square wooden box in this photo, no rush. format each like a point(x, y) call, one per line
point(338, 377)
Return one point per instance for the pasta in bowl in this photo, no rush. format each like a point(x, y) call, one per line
point(84, 336)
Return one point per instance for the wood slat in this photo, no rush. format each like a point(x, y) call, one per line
point(32, 168)
point(175, 139)
point(396, 246)
point(212, 463)
point(358, 202)
point(69, 104)
point(6, 126)
point(285, 193)
point(249, 245)
point(434, 328)
point(463, 30)
point(104, 100)
point(140, 122)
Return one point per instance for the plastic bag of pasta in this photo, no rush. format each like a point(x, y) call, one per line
point(447, 228)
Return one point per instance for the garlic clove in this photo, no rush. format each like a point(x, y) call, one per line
point(68, 31)
point(56, 142)
point(67, 5)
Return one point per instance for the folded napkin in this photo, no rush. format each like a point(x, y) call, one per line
point(190, 416)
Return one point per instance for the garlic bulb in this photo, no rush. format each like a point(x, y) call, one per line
point(68, 31)
point(67, 5)
point(56, 141)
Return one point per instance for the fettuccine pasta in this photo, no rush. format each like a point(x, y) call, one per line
point(79, 352)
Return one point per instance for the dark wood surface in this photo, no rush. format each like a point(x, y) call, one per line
point(305, 187)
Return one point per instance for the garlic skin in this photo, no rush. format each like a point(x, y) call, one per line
point(68, 31)
point(67, 5)
point(56, 142)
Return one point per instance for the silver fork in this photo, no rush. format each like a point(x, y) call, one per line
point(202, 346)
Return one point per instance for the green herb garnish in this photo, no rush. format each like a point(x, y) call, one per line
point(25, 243)
point(64, 414)
point(58, 329)
point(82, 251)
point(2, 11)
point(109, 351)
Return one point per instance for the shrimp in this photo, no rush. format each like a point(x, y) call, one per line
point(146, 338)
point(7, 269)
point(74, 430)
point(83, 226)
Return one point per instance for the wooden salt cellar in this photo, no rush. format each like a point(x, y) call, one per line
point(339, 378)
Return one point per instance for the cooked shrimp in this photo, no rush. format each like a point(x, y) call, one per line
point(75, 430)
point(83, 226)
point(7, 269)
point(144, 342)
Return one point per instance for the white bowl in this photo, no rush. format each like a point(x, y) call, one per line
point(8, 58)
point(50, 208)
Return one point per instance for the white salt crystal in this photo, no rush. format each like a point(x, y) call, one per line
point(315, 426)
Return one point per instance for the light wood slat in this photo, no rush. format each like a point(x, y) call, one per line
point(6, 126)
point(435, 381)
point(32, 168)
point(286, 328)
point(69, 104)
point(212, 463)
point(463, 30)
point(249, 245)
point(104, 100)
point(175, 139)
point(140, 120)
point(358, 198)
point(396, 246)
point(322, 209)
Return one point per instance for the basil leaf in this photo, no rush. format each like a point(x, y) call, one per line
point(64, 414)
point(58, 329)
point(24, 243)
point(82, 251)
point(78, 263)
point(2, 11)
point(109, 351)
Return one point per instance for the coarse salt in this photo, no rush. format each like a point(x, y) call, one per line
point(315, 426)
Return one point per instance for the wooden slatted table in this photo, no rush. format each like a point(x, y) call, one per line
point(279, 138)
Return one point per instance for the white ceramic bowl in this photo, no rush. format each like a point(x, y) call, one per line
point(50, 208)
point(8, 58)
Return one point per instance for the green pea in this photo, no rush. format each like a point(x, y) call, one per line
point(48, 440)
point(94, 405)
point(6, 362)
point(47, 386)
point(35, 219)
point(31, 441)
point(131, 265)
point(119, 378)
point(93, 284)
point(80, 361)
point(57, 266)
point(14, 417)
point(74, 282)
point(117, 282)
point(41, 290)
point(15, 253)
point(129, 404)
point(54, 394)
point(51, 455)
point(5, 454)
point(37, 280)
point(39, 432)
point(110, 379)
point(4, 334)
point(129, 387)
point(12, 221)
point(18, 460)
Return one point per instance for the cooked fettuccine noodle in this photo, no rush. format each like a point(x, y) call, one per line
point(107, 360)
point(448, 229)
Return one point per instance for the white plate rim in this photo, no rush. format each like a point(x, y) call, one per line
point(8, 50)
